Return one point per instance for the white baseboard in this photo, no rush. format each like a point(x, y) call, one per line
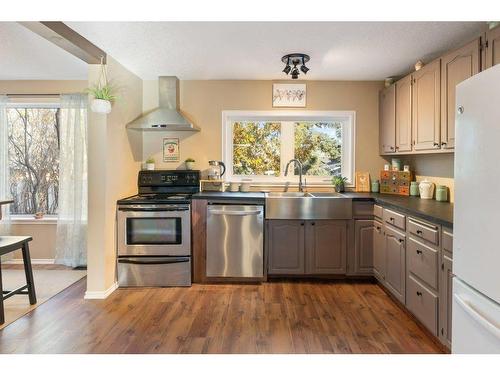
point(33, 261)
point(101, 294)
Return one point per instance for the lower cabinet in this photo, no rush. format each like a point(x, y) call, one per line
point(365, 234)
point(379, 251)
point(445, 288)
point(306, 247)
point(285, 239)
point(395, 265)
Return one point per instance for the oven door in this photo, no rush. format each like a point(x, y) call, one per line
point(154, 230)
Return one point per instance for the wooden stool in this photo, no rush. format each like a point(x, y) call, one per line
point(7, 245)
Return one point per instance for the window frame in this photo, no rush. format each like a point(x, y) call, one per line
point(33, 103)
point(348, 143)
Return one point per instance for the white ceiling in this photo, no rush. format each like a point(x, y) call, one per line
point(26, 55)
point(253, 50)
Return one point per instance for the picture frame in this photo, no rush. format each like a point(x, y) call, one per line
point(363, 182)
point(290, 95)
point(171, 150)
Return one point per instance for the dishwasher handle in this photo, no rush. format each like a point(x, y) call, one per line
point(235, 213)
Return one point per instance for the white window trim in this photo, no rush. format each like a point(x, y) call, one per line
point(348, 143)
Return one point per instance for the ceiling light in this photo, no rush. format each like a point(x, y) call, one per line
point(298, 60)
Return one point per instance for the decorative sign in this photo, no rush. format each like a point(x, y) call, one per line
point(363, 182)
point(289, 95)
point(170, 149)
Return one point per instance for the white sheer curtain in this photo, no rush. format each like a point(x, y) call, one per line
point(4, 169)
point(71, 244)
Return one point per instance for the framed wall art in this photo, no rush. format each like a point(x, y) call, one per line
point(289, 95)
point(170, 149)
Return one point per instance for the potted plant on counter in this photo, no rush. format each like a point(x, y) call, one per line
point(150, 164)
point(189, 163)
point(339, 183)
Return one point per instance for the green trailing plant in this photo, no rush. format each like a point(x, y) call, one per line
point(104, 92)
point(150, 160)
point(190, 160)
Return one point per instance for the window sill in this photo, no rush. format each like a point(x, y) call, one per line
point(29, 219)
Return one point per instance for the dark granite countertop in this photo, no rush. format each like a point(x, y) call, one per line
point(427, 209)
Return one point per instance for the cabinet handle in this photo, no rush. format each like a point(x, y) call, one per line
point(436, 144)
point(313, 223)
point(392, 148)
point(378, 228)
point(443, 143)
point(419, 251)
point(401, 240)
point(419, 293)
point(391, 219)
point(419, 232)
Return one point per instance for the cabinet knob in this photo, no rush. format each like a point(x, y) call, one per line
point(443, 143)
point(460, 109)
point(302, 224)
point(419, 293)
point(419, 251)
point(436, 144)
point(401, 240)
point(313, 223)
point(391, 219)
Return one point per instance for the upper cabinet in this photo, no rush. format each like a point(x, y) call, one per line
point(456, 67)
point(387, 119)
point(492, 46)
point(423, 118)
point(426, 103)
point(403, 114)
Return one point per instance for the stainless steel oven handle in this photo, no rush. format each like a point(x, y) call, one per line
point(153, 260)
point(152, 209)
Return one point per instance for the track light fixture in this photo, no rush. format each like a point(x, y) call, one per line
point(295, 59)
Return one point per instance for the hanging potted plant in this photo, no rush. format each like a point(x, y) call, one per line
point(189, 163)
point(102, 93)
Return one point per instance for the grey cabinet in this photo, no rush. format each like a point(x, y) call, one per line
point(364, 241)
point(285, 239)
point(297, 247)
point(326, 247)
point(395, 272)
point(403, 114)
point(379, 251)
point(387, 120)
point(426, 107)
point(445, 288)
point(492, 47)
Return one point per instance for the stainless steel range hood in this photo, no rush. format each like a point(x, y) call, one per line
point(167, 116)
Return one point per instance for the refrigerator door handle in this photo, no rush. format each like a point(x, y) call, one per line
point(475, 314)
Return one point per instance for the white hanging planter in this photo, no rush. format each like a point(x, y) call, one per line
point(101, 106)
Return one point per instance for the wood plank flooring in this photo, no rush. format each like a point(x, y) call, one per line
point(275, 317)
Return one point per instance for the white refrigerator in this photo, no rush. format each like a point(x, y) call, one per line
point(476, 224)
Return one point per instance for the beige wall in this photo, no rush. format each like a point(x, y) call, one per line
point(44, 235)
point(204, 101)
point(114, 159)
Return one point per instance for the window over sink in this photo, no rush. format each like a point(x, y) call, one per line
point(257, 145)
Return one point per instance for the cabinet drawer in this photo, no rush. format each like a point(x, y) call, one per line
point(394, 218)
point(422, 303)
point(378, 211)
point(447, 240)
point(426, 231)
point(362, 210)
point(423, 262)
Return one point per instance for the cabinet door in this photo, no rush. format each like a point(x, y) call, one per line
point(395, 247)
point(493, 47)
point(285, 247)
point(326, 247)
point(387, 120)
point(456, 67)
point(363, 246)
point(426, 100)
point(445, 299)
point(403, 114)
point(379, 251)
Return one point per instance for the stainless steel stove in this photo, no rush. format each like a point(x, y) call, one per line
point(154, 230)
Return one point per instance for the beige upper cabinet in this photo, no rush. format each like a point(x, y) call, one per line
point(426, 107)
point(456, 67)
point(403, 114)
point(387, 119)
point(493, 47)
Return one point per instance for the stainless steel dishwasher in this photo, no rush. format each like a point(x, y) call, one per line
point(235, 241)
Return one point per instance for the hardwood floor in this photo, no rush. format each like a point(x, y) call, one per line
point(275, 317)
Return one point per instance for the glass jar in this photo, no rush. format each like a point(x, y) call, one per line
point(414, 192)
point(375, 186)
point(441, 193)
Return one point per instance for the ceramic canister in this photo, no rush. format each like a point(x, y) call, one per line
point(426, 189)
point(414, 189)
